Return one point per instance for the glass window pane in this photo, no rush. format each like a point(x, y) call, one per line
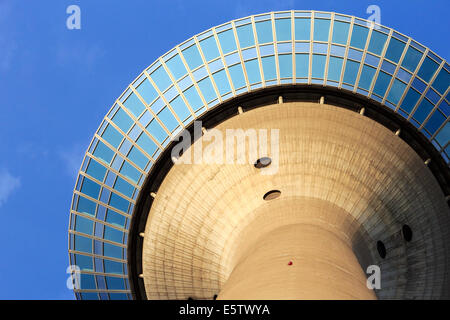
point(359, 37)
point(264, 31)
point(134, 104)
point(334, 68)
point(377, 41)
point(222, 82)
point(207, 89)
point(318, 66)
point(146, 144)
point(302, 29)
point(115, 283)
point(245, 36)
point(86, 206)
point(410, 100)
point(285, 63)
point(122, 120)
point(435, 122)
point(209, 48)
point(84, 262)
point(90, 188)
point(176, 66)
point(411, 59)
point(394, 50)
point(427, 69)
point(443, 135)
point(283, 29)
point(180, 108)
point(166, 116)
point(192, 57)
point(227, 41)
point(321, 29)
point(253, 72)
point(124, 187)
point(96, 170)
point(115, 218)
point(83, 244)
point(301, 65)
point(84, 225)
point(118, 202)
point(113, 251)
point(442, 81)
point(138, 158)
point(146, 91)
point(340, 32)
point(103, 152)
point(382, 83)
point(161, 79)
point(113, 267)
point(237, 76)
point(396, 91)
point(156, 131)
point(130, 172)
point(193, 98)
point(351, 71)
point(112, 136)
point(423, 110)
point(366, 78)
point(269, 68)
point(113, 234)
point(87, 281)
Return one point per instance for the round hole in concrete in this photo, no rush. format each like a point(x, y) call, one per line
point(263, 162)
point(272, 194)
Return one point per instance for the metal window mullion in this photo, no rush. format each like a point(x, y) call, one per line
point(275, 47)
point(132, 142)
point(363, 57)
point(294, 73)
point(205, 64)
point(189, 74)
point(180, 93)
point(97, 256)
point(397, 67)
point(330, 40)
point(121, 245)
point(413, 76)
point(258, 53)
point(422, 96)
point(161, 95)
point(377, 71)
point(84, 215)
point(347, 48)
point(311, 38)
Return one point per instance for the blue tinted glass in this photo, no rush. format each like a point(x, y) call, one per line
point(124, 187)
point(193, 98)
point(146, 144)
point(87, 281)
point(118, 202)
point(111, 250)
point(283, 29)
point(237, 76)
point(122, 120)
point(96, 170)
point(112, 136)
point(285, 63)
point(134, 104)
point(318, 66)
point(302, 29)
point(269, 68)
point(301, 65)
point(115, 218)
point(359, 37)
point(113, 267)
point(423, 110)
point(192, 57)
point(84, 225)
point(411, 59)
point(130, 172)
point(207, 89)
point(176, 66)
point(86, 206)
point(166, 116)
point(443, 135)
point(264, 31)
point(103, 152)
point(394, 50)
point(253, 73)
point(427, 69)
point(146, 91)
point(227, 41)
point(83, 244)
point(113, 234)
point(377, 41)
point(161, 78)
point(351, 71)
point(245, 36)
point(89, 296)
point(90, 188)
point(209, 48)
point(382, 83)
point(340, 32)
point(435, 122)
point(156, 131)
point(334, 68)
point(410, 100)
point(138, 158)
point(396, 91)
point(442, 81)
point(366, 77)
point(114, 283)
point(84, 262)
point(321, 29)
point(222, 82)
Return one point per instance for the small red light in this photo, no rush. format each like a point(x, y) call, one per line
point(290, 263)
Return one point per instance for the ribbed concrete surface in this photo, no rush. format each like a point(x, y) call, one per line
point(196, 224)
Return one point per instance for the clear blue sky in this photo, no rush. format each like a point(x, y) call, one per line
point(57, 84)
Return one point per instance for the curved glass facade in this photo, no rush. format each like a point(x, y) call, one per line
point(291, 47)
